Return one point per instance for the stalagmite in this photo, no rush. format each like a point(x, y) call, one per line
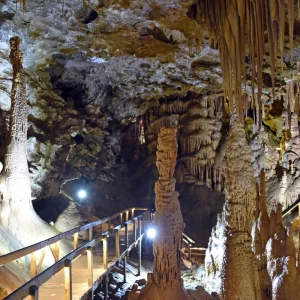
point(16, 211)
point(167, 283)
point(236, 270)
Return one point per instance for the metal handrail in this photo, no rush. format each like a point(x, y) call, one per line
point(191, 247)
point(31, 288)
point(290, 208)
point(4, 259)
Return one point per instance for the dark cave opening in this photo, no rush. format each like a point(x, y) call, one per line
point(92, 16)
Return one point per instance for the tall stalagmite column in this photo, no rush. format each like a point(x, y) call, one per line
point(168, 223)
point(168, 218)
point(16, 210)
point(239, 272)
point(17, 193)
point(230, 262)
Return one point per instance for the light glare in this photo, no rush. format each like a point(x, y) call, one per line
point(82, 194)
point(151, 233)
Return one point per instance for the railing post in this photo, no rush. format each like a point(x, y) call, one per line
point(132, 213)
point(75, 240)
point(33, 265)
point(140, 256)
point(127, 215)
point(134, 229)
point(140, 227)
point(124, 270)
point(126, 238)
point(34, 292)
point(106, 287)
point(90, 233)
point(39, 266)
point(117, 237)
point(121, 218)
point(57, 250)
point(149, 217)
point(189, 252)
point(89, 253)
point(104, 241)
point(68, 280)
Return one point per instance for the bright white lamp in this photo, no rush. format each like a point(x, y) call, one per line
point(151, 233)
point(82, 194)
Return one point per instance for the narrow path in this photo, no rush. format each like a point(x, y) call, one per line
point(54, 288)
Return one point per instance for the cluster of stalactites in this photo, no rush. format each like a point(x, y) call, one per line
point(184, 114)
point(292, 97)
point(237, 25)
point(205, 174)
point(199, 123)
point(22, 5)
point(291, 103)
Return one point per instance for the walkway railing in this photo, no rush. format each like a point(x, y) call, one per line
point(192, 248)
point(31, 288)
point(293, 209)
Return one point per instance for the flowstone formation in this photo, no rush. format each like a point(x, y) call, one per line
point(167, 283)
point(273, 245)
point(248, 249)
point(230, 262)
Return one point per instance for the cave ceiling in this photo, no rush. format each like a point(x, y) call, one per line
point(96, 69)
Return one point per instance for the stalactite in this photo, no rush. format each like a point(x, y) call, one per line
point(199, 124)
point(238, 25)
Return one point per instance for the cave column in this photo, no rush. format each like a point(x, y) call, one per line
point(166, 283)
point(168, 218)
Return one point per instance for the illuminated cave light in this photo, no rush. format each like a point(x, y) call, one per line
point(151, 233)
point(82, 194)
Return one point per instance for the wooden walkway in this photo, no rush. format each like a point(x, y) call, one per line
point(55, 287)
point(78, 274)
point(82, 271)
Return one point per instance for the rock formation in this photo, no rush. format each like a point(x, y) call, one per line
point(229, 259)
point(167, 283)
point(230, 22)
point(200, 122)
point(270, 265)
point(98, 70)
point(275, 251)
point(16, 211)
